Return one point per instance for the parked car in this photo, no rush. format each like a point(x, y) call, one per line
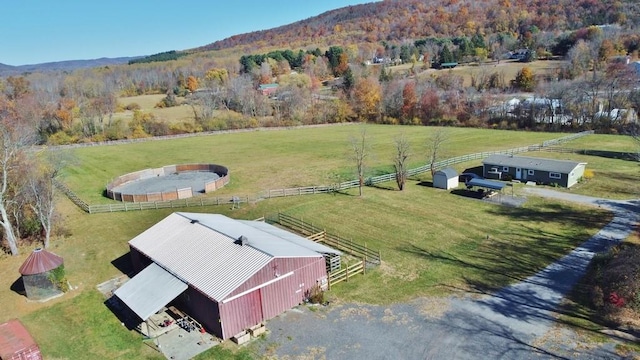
point(465, 177)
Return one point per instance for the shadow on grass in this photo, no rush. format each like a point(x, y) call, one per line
point(609, 154)
point(123, 264)
point(425, 183)
point(18, 287)
point(126, 316)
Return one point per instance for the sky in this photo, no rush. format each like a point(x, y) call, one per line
point(39, 31)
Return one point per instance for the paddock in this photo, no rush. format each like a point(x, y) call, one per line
point(170, 182)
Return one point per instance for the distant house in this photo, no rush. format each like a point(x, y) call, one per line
point(545, 171)
point(445, 179)
point(268, 89)
point(227, 274)
point(623, 116)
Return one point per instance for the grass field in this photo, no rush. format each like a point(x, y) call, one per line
point(170, 115)
point(507, 68)
point(432, 242)
point(261, 160)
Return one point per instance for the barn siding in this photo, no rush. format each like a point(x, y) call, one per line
point(202, 309)
point(241, 313)
point(273, 299)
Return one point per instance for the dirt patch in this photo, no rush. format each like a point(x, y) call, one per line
point(356, 311)
point(433, 307)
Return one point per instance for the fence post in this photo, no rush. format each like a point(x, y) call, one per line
point(347, 278)
point(364, 266)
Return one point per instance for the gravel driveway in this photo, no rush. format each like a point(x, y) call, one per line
point(517, 322)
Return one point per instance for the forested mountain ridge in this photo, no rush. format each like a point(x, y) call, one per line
point(398, 20)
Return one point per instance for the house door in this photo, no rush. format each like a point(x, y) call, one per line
point(518, 173)
point(524, 174)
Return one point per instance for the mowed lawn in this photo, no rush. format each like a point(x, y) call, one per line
point(274, 159)
point(432, 242)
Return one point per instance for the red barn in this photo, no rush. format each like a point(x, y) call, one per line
point(227, 274)
point(16, 343)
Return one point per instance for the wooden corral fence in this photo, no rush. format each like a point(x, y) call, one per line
point(369, 256)
point(234, 201)
point(336, 277)
point(308, 190)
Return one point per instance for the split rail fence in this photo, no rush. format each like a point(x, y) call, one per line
point(308, 190)
point(368, 256)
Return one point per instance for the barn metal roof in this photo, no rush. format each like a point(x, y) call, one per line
point(283, 247)
point(261, 236)
point(150, 290)
point(494, 185)
point(203, 250)
point(560, 166)
point(40, 261)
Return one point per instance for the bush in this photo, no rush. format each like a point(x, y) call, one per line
point(132, 107)
point(315, 295)
point(588, 174)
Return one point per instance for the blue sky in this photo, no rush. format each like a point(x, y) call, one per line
point(37, 31)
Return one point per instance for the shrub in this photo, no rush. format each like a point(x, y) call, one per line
point(588, 174)
point(315, 295)
point(132, 107)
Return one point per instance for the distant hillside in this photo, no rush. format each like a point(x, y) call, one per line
point(70, 65)
point(399, 20)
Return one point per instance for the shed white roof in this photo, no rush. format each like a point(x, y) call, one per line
point(449, 173)
point(202, 250)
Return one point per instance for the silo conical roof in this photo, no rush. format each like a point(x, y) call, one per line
point(40, 261)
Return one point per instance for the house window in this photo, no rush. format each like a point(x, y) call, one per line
point(505, 168)
point(530, 172)
point(554, 175)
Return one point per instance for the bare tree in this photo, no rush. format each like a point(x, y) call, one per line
point(434, 147)
point(42, 189)
point(15, 136)
point(400, 161)
point(360, 153)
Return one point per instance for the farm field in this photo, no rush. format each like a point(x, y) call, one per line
point(433, 242)
point(274, 159)
point(507, 68)
point(170, 115)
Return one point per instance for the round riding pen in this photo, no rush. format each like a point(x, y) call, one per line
point(170, 182)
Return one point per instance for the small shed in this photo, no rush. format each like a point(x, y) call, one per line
point(16, 343)
point(43, 275)
point(445, 179)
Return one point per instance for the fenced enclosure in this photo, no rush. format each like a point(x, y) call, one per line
point(115, 189)
point(359, 251)
point(307, 190)
point(336, 272)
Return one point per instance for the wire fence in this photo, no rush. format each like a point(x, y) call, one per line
point(236, 200)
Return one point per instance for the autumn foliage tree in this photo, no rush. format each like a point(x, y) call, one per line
point(525, 80)
point(192, 83)
point(410, 101)
point(366, 96)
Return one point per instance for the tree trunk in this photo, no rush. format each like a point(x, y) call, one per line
point(8, 230)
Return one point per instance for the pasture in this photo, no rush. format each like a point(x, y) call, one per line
point(432, 242)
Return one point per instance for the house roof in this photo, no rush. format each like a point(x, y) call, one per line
point(40, 261)
point(560, 166)
point(448, 172)
point(150, 290)
point(203, 250)
point(14, 338)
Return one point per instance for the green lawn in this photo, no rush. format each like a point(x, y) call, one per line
point(266, 159)
point(433, 242)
